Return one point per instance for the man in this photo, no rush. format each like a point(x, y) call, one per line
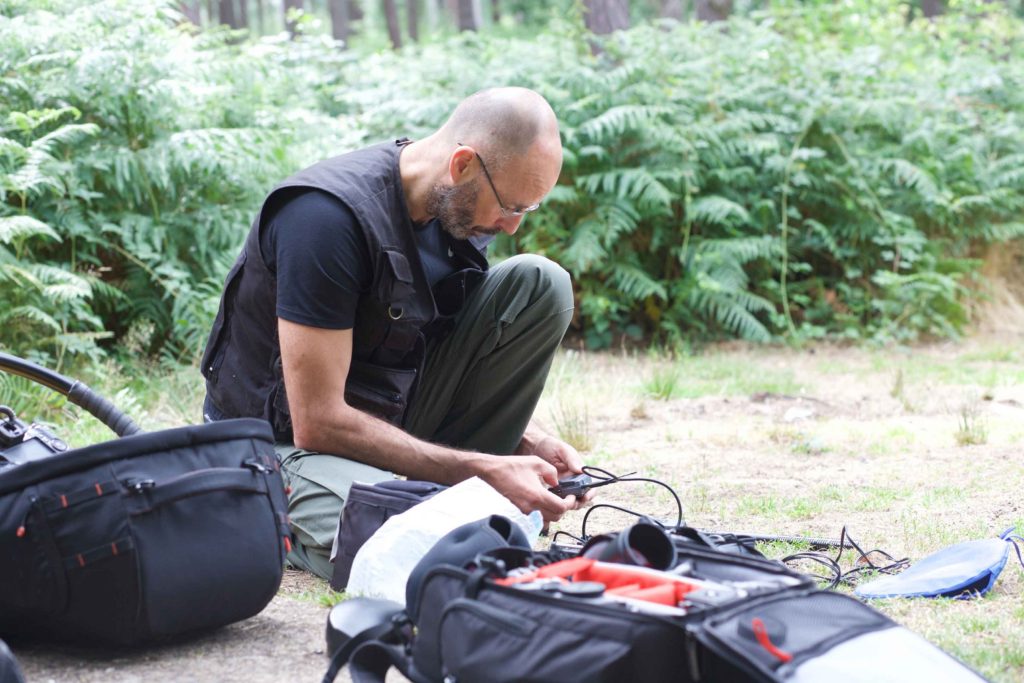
point(363, 322)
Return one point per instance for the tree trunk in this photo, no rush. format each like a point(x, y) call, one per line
point(355, 10)
point(412, 7)
point(394, 30)
point(933, 8)
point(227, 13)
point(605, 16)
point(243, 13)
point(713, 10)
point(190, 8)
point(496, 11)
point(261, 18)
point(341, 25)
point(469, 15)
point(288, 23)
point(672, 9)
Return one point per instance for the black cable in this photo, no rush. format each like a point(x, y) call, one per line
point(605, 477)
point(824, 560)
point(850, 577)
point(554, 537)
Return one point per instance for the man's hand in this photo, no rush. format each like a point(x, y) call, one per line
point(525, 480)
point(565, 459)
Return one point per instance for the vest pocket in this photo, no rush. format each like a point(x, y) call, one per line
point(379, 390)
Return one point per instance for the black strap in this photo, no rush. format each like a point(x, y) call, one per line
point(370, 636)
point(371, 661)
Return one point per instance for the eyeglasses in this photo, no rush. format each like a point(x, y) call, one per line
point(506, 212)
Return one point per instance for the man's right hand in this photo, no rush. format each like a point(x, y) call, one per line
point(525, 480)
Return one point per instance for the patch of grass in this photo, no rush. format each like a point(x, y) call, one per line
point(663, 382)
point(812, 445)
point(325, 597)
point(699, 376)
point(572, 424)
point(942, 495)
point(971, 428)
point(963, 373)
point(833, 493)
point(878, 498)
point(803, 508)
point(996, 354)
point(897, 385)
point(763, 506)
point(697, 497)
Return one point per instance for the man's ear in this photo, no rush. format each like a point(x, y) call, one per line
point(460, 164)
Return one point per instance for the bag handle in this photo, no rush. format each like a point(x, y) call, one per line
point(147, 495)
point(75, 391)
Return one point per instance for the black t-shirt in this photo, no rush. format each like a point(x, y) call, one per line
point(313, 244)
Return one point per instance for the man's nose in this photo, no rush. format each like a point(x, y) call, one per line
point(509, 224)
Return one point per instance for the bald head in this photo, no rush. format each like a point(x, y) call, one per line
point(445, 175)
point(504, 123)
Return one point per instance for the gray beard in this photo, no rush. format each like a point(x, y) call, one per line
point(454, 207)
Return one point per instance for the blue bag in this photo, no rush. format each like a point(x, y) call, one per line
point(959, 571)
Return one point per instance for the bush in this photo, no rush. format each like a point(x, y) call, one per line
point(775, 178)
point(825, 169)
point(132, 156)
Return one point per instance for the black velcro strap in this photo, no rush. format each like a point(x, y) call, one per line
point(58, 501)
point(100, 552)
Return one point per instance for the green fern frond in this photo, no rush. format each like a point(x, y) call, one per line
point(635, 282)
point(718, 210)
point(910, 175)
point(730, 313)
point(584, 248)
point(617, 120)
point(19, 227)
point(32, 314)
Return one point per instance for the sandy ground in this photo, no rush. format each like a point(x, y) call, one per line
point(772, 441)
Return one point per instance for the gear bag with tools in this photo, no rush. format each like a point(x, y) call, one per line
point(480, 610)
point(150, 535)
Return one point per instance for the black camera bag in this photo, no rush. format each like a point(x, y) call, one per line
point(151, 535)
point(469, 628)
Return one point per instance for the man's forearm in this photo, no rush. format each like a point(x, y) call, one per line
point(531, 438)
point(351, 433)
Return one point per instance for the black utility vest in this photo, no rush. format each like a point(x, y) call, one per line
point(242, 361)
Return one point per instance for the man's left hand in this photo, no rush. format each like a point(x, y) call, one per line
point(566, 460)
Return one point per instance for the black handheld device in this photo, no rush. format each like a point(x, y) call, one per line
point(572, 486)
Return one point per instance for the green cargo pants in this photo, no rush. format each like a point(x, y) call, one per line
point(478, 391)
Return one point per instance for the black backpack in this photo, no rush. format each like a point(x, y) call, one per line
point(146, 536)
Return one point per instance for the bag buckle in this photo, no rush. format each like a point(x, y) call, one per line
point(138, 486)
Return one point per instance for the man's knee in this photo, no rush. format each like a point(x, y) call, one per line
point(550, 280)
